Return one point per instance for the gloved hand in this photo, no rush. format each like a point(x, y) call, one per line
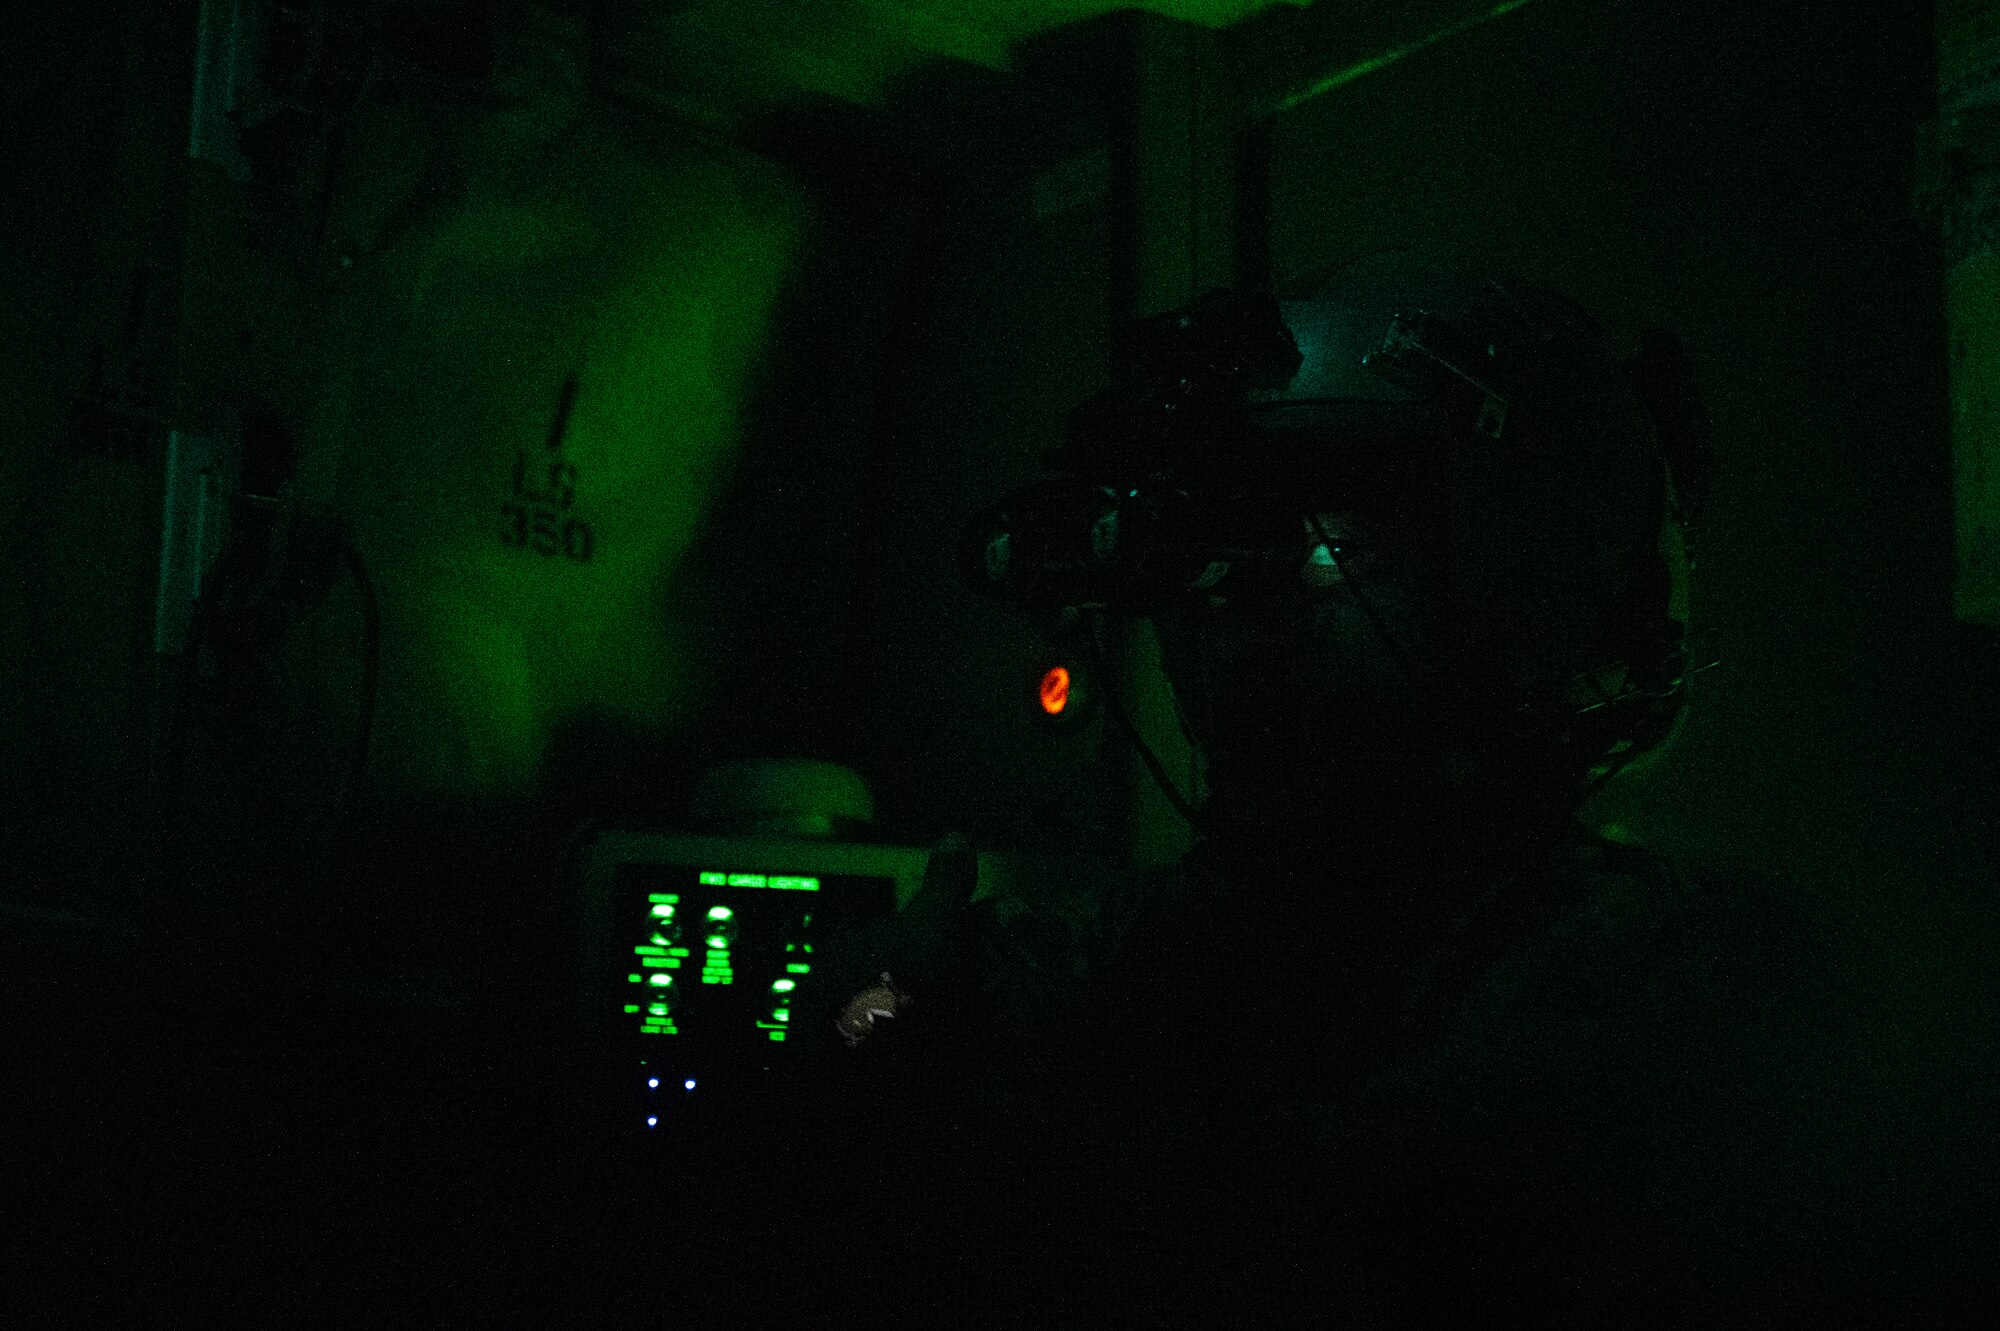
point(916, 966)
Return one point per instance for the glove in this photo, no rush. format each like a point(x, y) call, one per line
point(919, 959)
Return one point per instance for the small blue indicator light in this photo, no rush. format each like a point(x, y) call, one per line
point(654, 1083)
point(652, 1122)
point(689, 1083)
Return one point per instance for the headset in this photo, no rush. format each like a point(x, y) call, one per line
point(1203, 471)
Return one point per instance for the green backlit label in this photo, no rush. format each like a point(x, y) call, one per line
point(798, 968)
point(777, 1035)
point(631, 1007)
point(794, 883)
point(646, 951)
point(746, 880)
point(632, 979)
point(717, 979)
point(668, 897)
point(715, 880)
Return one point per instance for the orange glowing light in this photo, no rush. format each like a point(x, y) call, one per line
point(1055, 690)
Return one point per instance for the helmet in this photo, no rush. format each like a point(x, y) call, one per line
point(1424, 439)
point(1539, 481)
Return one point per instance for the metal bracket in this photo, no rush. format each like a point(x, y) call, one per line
point(1419, 350)
point(194, 527)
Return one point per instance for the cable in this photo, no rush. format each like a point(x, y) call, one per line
point(1374, 615)
point(1188, 812)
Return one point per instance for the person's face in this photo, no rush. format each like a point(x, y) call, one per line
point(1299, 697)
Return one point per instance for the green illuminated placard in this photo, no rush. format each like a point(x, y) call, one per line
point(631, 1007)
point(667, 897)
point(798, 968)
point(783, 882)
point(777, 1035)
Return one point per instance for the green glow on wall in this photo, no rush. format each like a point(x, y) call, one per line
point(852, 49)
point(648, 271)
